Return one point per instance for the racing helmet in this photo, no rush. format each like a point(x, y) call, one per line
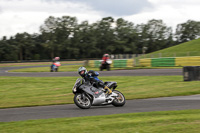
point(106, 55)
point(57, 58)
point(82, 71)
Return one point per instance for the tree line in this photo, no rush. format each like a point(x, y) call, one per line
point(68, 39)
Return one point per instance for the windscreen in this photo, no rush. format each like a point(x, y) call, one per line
point(78, 82)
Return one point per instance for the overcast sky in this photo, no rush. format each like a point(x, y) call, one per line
point(18, 16)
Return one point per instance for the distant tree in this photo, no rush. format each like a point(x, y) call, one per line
point(154, 35)
point(125, 37)
point(39, 51)
point(104, 34)
point(7, 51)
point(187, 31)
point(48, 34)
point(65, 37)
point(57, 33)
point(84, 41)
point(24, 45)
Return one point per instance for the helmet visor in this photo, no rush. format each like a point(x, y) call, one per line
point(82, 72)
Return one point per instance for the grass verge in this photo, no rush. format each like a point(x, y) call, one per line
point(35, 91)
point(185, 121)
point(70, 68)
point(37, 63)
point(67, 68)
point(190, 48)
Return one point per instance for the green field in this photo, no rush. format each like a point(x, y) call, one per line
point(34, 91)
point(37, 63)
point(71, 68)
point(68, 68)
point(191, 48)
point(185, 121)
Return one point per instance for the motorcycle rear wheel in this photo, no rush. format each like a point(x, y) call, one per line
point(82, 103)
point(119, 100)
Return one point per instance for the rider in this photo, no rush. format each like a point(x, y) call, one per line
point(91, 76)
point(55, 63)
point(105, 58)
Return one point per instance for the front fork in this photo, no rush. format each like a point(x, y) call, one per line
point(84, 95)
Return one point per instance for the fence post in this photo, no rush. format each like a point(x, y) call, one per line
point(127, 56)
point(120, 56)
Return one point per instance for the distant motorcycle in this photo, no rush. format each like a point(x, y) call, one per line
point(86, 95)
point(54, 67)
point(105, 65)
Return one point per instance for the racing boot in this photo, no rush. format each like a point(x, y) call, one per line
point(109, 91)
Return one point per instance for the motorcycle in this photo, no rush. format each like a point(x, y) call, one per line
point(54, 67)
point(105, 65)
point(86, 95)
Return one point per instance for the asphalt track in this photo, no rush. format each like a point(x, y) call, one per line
point(71, 110)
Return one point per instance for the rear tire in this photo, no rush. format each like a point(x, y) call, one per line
point(81, 103)
point(119, 100)
point(101, 68)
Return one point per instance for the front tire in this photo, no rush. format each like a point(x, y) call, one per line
point(108, 68)
point(119, 100)
point(82, 103)
point(101, 69)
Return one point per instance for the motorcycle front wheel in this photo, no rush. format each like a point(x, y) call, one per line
point(119, 100)
point(83, 103)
